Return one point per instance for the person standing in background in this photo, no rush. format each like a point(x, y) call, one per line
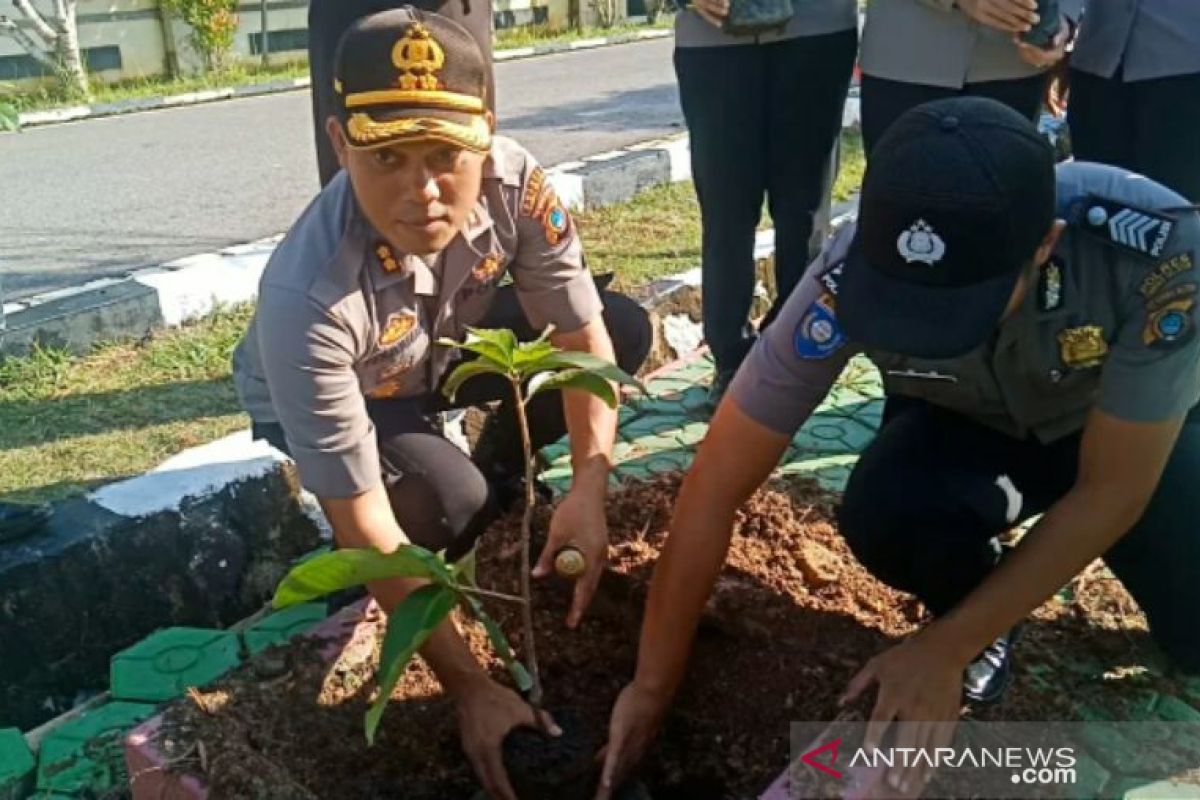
point(329, 19)
point(763, 113)
point(1135, 89)
point(916, 51)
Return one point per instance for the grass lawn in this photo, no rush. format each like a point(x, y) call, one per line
point(70, 423)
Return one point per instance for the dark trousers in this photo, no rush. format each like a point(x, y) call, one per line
point(329, 19)
point(925, 504)
point(442, 498)
point(884, 101)
point(1146, 126)
point(763, 120)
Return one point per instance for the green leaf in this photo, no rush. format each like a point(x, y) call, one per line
point(341, 569)
point(467, 370)
point(496, 345)
point(581, 380)
point(409, 625)
point(584, 361)
point(515, 668)
point(463, 570)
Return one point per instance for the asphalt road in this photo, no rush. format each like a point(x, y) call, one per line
point(98, 198)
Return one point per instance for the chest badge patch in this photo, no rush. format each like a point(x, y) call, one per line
point(387, 259)
point(818, 334)
point(488, 269)
point(921, 243)
point(398, 326)
point(1082, 347)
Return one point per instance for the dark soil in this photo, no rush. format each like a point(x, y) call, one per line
point(792, 619)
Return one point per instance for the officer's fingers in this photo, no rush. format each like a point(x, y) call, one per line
point(613, 753)
point(881, 718)
point(545, 562)
point(497, 776)
point(1005, 17)
point(1021, 9)
point(858, 684)
point(585, 589)
point(485, 772)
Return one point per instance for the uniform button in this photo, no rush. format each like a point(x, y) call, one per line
point(950, 123)
point(1097, 216)
point(1055, 375)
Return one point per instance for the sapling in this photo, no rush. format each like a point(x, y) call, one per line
point(530, 368)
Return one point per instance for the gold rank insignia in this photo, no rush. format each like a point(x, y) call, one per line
point(387, 259)
point(488, 269)
point(1082, 347)
point(398, 325)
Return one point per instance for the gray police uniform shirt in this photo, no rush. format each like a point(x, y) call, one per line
point(1111, 324)
point(933, 43)
point(1151, 38)
point(341, 317)
point(812, 18)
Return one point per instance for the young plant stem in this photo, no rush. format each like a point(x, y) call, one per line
point(510, 598)
point(535, 693)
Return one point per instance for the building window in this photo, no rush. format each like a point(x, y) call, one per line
point(280, 41)
point(95, 59)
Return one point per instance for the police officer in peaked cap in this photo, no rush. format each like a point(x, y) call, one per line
point(414, 241)
point(1036, 333)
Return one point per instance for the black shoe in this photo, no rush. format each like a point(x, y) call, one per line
point(716, 392)
point(18, 520)
point(987, 677)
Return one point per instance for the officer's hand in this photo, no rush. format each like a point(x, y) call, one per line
point(920, 687)
point(715, 11)
point(1048, 57)
point(486, 713)
point(635, 721)
point(579, 521)
point(1010, 16)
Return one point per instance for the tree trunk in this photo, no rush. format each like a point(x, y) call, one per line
point(69, 55)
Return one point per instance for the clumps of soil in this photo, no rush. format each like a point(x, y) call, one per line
point(792, 619)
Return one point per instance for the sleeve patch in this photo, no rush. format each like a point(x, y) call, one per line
point(533, 192)
point(1170, 325)
point(818, 335)
point(1157, 280)
point(1134, 230)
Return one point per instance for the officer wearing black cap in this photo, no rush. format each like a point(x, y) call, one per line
point(329, 19)
point(411, 244)
point(1036, 332)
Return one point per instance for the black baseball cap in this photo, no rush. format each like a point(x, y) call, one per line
point(406, 75)
point(957, 197)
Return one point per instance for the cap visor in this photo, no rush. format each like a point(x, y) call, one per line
point(384, 127)
point(882, 312)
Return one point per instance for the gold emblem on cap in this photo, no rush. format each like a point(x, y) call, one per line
point(418, 56)
point(1082, 347)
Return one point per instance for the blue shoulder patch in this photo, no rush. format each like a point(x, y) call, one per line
point(818, 335)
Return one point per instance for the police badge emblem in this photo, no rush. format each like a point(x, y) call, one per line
point(1082, 347)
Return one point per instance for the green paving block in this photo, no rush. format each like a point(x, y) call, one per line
point(281, 626)
point(163, 665)
point(87, 753)
point(558, 450)
point(1172, 709)
point(16, 765)
point(1090, 777)
point(1149, 789)
point(668, 385)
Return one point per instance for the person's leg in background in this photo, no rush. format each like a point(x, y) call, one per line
point(1024, 95)
point(1101, 118)
point(329, 19)
point(499, 453)
point(723, 94)
point(807, 79)
point(1165, 115)
point(1158, 561)
point(884, 101)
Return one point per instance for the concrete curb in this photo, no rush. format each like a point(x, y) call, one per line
point(55, 116)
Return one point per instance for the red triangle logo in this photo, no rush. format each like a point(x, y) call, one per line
point(810, 758)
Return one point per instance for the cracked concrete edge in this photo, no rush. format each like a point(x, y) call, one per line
point(53, 116)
